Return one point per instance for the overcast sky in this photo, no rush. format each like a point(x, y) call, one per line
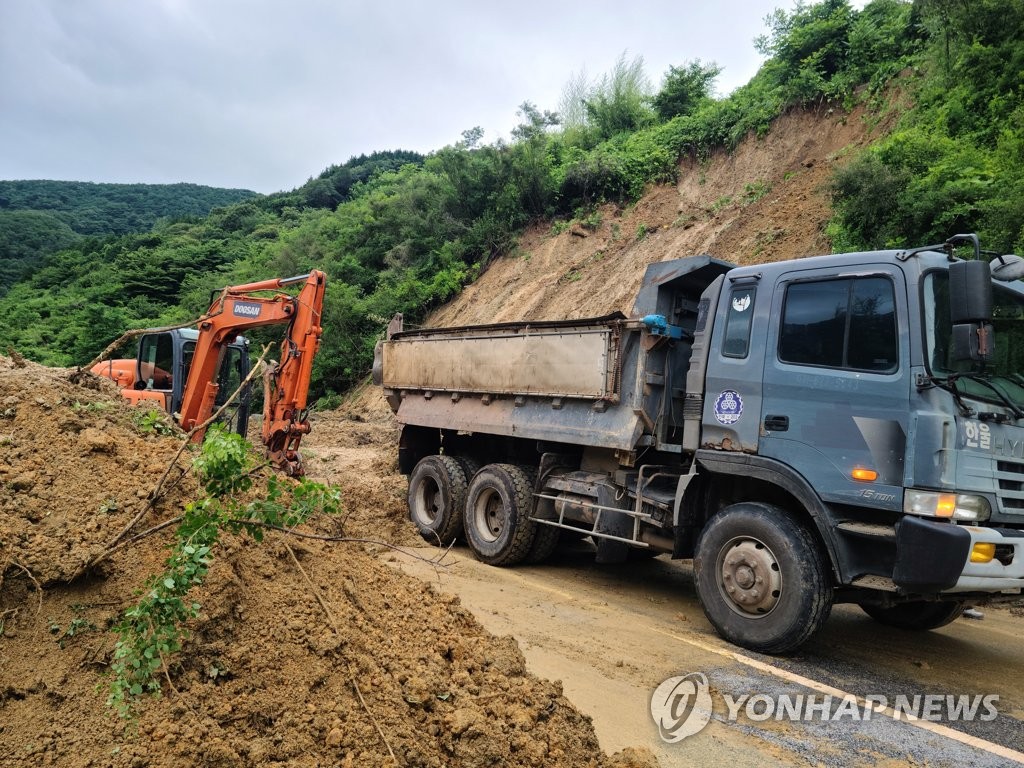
point(263, 94)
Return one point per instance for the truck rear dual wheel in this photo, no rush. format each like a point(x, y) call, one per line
point(497, 516)
point(761, 578)
point(437, 496)
point(544, 543)
point(918, 615)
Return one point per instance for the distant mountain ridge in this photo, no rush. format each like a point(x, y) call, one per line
point(42, 216)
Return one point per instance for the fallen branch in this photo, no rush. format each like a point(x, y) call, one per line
point(337, 631)
point(156, 494)
point(131, 335)
point(351, 539)
point(126, 542)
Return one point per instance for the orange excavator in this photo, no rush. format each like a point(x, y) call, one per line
point(190, 372)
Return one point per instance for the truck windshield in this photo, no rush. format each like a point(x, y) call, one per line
point(1000, 379)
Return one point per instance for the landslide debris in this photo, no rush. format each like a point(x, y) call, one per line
point(267, 676)
point(74, 467)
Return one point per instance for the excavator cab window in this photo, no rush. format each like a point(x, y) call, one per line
point(156, 362)
point(232, 372)
point(230, 377)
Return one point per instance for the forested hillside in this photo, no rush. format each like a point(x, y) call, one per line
point(39, 217)
point(400, 232)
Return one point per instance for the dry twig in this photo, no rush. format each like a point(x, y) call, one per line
point(352, 539)
point(337, 630)
point(27, 572)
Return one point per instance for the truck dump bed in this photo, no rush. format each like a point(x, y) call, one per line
point(563, 359)
point(604, 382)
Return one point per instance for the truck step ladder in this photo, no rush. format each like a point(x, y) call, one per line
point(658, 498)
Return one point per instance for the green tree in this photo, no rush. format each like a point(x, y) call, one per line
point(619, 101)
point(685, 88)
point(809, 45)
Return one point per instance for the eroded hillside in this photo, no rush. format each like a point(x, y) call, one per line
point(767, 200)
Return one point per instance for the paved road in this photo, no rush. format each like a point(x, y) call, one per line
point(612, 634)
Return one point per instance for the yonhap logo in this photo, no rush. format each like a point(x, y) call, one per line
point(245, 309)
point(681, 706)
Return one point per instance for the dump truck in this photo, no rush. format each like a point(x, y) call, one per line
point(836, 428)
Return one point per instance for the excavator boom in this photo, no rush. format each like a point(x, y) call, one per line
point(240, 308)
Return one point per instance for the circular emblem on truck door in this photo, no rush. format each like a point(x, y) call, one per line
point(728, 407)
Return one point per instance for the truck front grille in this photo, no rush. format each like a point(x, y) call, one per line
point(1010, 475)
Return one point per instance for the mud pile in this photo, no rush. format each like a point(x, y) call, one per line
point(355, 446)
point(76, 464)
point(344, 661)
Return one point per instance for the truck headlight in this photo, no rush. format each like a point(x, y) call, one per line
point(956, 506)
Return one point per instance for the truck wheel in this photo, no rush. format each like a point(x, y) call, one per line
point(761, 578)
point(497, 520)
point(546, 539)
point(917, 615)
point(437, 496)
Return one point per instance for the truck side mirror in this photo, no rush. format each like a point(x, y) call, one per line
point(973, 341)
point(970, 292)
point(970, 310)
point(1007, 268)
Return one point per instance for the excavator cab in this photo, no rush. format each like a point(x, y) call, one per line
point(161, 369)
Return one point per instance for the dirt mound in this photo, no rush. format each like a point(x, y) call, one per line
point(354, 447)
point(340, 661)
point(76, 464)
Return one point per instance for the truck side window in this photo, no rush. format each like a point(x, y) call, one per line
point(872, 344)
point(848, 323)
point(738, 323)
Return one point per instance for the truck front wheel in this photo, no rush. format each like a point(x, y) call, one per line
point(761, 578)
point(497, 520)
point(916, 615)
point(437, 496)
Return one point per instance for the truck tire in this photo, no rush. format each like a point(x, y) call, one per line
point(761, 578)
point(497, 516)
point(544, 544)
point(545, 541)
point(918, 615)
point(437, 496)
point(469, 466)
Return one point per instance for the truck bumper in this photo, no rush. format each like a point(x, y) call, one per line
point(936, 557)
point(1004, 573)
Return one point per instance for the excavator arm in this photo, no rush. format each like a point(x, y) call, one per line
point(240, 308)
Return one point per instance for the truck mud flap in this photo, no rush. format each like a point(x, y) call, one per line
point(930, 556)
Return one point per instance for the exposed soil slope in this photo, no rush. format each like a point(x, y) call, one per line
point(766, 201)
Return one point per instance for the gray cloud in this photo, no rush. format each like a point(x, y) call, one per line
point(263, 94)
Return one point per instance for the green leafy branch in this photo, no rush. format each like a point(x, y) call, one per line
point(154, 629)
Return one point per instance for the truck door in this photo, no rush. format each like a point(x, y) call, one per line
point(732, 403)
point(837, 382)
